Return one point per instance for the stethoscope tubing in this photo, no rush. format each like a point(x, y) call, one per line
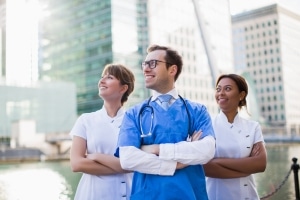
point(143, 109)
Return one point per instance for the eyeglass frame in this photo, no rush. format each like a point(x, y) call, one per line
point(147, 63)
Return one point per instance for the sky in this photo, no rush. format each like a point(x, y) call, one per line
point(237, 6)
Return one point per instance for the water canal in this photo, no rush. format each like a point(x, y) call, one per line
point(55, 181)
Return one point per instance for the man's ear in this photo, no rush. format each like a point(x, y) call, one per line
point(173, 70)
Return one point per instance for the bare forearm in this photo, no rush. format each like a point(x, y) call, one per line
point(214, 170)
point(247, 165)
point(89, 166)
point(255, 163)
point(107, 160)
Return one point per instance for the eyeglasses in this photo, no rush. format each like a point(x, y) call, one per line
point(152, 63)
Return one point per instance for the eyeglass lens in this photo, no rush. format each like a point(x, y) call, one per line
point(151, 64)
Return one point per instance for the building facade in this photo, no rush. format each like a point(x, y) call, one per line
point(52, 107)
point(265, 43)
point(80, 37)
point(2, 38)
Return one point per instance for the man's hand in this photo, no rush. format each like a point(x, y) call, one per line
point(196, 136)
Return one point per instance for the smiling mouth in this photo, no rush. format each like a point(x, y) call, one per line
point(148, 77)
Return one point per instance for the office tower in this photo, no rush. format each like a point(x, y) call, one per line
point(195, 29)
point(266, 42)
point(21, 42)
point(2, 38)
point(52, 106)
point(80, 37)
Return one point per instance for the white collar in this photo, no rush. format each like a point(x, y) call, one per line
point(172, 92)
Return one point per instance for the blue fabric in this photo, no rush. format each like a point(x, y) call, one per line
point(165, 99)
point(168, 127)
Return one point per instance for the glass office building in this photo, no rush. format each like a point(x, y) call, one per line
point(2, 37)
point(79, 37)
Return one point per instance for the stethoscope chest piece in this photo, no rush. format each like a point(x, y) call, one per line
point(147, 113)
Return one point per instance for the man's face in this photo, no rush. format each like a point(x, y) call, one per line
point(159, 77)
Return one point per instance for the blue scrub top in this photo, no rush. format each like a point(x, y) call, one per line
point(168, 127)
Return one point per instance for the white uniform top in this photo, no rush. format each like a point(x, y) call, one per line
point(101, 133)
point(234, 141)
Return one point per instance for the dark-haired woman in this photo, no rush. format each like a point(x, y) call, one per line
point(240, 149)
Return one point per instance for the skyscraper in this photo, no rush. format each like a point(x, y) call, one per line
point(52, 106)
point(2, 38)
point(266, 42)
point(80, 37)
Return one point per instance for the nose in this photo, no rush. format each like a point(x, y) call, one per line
point(145, 66)
point(220, 91)
point(103, 78)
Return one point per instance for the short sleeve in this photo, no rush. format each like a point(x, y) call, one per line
point(79, 128)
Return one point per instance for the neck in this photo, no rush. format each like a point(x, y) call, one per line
point(230, 116)
point(112, 109)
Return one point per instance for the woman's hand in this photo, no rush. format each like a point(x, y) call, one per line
point(255, 150)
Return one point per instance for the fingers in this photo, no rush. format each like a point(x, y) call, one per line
point(196, 135)
point(255, 150)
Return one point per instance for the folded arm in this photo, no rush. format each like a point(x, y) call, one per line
point(238, 167)
point(108, 160)
point(135, 159)
point(80, 163)
point(188, 153)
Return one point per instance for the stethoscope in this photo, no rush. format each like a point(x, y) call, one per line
point(150, 108)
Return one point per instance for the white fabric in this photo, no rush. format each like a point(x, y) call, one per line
point(234, 141)
point(190, 153)
point(185, 152)
point(148, 163)
point(101, 133)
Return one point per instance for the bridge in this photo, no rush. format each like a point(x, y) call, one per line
point(275, 138)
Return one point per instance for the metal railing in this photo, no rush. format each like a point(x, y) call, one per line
point(295, 169)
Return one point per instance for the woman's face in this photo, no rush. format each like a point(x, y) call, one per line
point(110, 87)
point(228, 95)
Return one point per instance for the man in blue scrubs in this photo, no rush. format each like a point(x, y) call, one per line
point(166, 147)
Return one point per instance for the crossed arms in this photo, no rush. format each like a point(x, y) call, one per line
point(164, 159)
point(238, 167)
point(95, 164)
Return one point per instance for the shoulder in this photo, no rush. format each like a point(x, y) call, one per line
point(249, 122)
point(137, 107)
point(91, 115)
point(195, 105)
